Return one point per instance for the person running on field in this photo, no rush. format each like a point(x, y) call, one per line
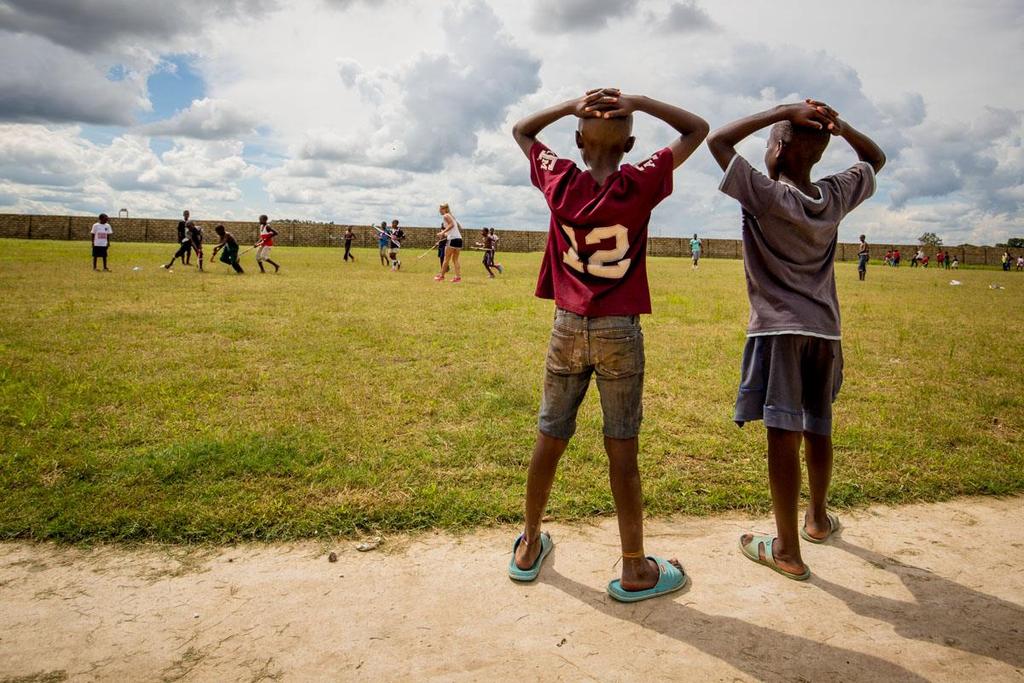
point(383, 242)
point(450, 231)
point(265, 244)
point(395, 243)
point(182, 237)
point(195, 236)
point(349, 236)
point(488, 246)
point(696, 246)
point(184, 245)
point(100, 235)
point(229, 245)
point(494, 251)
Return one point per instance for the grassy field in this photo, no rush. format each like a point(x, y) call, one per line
point(337, 398)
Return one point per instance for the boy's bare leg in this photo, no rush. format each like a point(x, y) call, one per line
point(818, 454)
point(547, 451)
point(784, 477)
point(638, 573)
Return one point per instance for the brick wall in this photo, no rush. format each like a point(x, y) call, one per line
point(319, 235)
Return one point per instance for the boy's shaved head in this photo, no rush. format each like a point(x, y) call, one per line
point(605, 138)
point(808, 143)
point(793, 150)
point(606, 133)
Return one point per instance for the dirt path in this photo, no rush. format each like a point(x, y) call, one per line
point(931, 592)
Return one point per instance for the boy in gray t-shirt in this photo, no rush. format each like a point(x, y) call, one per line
point(793, 361)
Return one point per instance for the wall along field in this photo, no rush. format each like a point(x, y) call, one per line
point(335, 398)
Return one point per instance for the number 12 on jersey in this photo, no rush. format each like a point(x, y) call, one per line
point(607, 263)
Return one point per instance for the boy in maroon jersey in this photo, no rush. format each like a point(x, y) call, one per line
point(595, 270)
point(792, 367)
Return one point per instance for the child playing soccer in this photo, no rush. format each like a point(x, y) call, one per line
point(594, 268)
point(488, 245)
point(195, 235)
point(264, 245)
point(395, 239)
point(184, 244)
point(349, 236)
point(695, 248)
point(793, 360)
point(383, 241)
point(494, 251)
point(230, 247)
point(100, 235)
point(186, 259)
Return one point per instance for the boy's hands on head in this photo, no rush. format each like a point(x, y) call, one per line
point(811, 114)
point(596, 103)
point(835, 125)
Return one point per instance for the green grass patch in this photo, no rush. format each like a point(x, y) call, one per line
point(335, 398)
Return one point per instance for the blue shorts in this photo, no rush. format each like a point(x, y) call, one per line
point(612, 347)
point(790, 381)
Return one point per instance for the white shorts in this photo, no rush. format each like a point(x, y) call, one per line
point(263, 253)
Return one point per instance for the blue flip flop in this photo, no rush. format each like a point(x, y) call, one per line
point(670, 581)
point(517, 574)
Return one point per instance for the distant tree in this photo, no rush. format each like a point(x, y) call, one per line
point(930, 239)
point(1015, 242)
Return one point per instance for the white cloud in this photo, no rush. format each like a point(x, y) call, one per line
point(205, 119)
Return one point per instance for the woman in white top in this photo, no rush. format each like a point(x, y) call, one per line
point(451, 232)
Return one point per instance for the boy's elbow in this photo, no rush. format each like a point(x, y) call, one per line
point(878, 163)
point(702, 129)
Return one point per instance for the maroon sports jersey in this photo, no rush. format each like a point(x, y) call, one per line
point(595, 263)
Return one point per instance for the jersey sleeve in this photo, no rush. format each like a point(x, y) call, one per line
point(854, 185)
point(755, 191)
point(653, 177)
point(548, 171)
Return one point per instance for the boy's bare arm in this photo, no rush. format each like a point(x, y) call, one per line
point(692, 129)
point(865, 148)
point(590, 105)
point(722, 142)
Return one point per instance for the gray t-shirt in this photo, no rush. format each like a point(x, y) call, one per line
point(789, 244)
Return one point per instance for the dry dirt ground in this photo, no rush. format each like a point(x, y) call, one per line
point(925, 592)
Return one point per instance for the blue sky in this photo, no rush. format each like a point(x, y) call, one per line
point(356, 112)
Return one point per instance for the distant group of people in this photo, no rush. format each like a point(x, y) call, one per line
point(190, 239)
point(1008, 261)
point(449, 246)
point(943, 259)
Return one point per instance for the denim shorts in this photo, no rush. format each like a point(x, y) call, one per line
point(612, 347)
point(790, 381)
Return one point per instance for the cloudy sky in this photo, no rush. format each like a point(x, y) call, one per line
point(362, 110)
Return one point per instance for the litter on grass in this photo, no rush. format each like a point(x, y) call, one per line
point(954, 282)
point(370, 544)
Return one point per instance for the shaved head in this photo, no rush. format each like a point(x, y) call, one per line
point(606, 133)
point(807, 143)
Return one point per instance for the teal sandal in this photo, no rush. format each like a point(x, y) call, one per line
point(670, 580)
point(833, 527)
point(517, 574)
point(750, 552)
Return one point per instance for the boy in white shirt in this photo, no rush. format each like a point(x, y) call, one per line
point(100, 241)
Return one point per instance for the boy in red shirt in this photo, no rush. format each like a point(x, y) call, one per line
point(595, 270)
